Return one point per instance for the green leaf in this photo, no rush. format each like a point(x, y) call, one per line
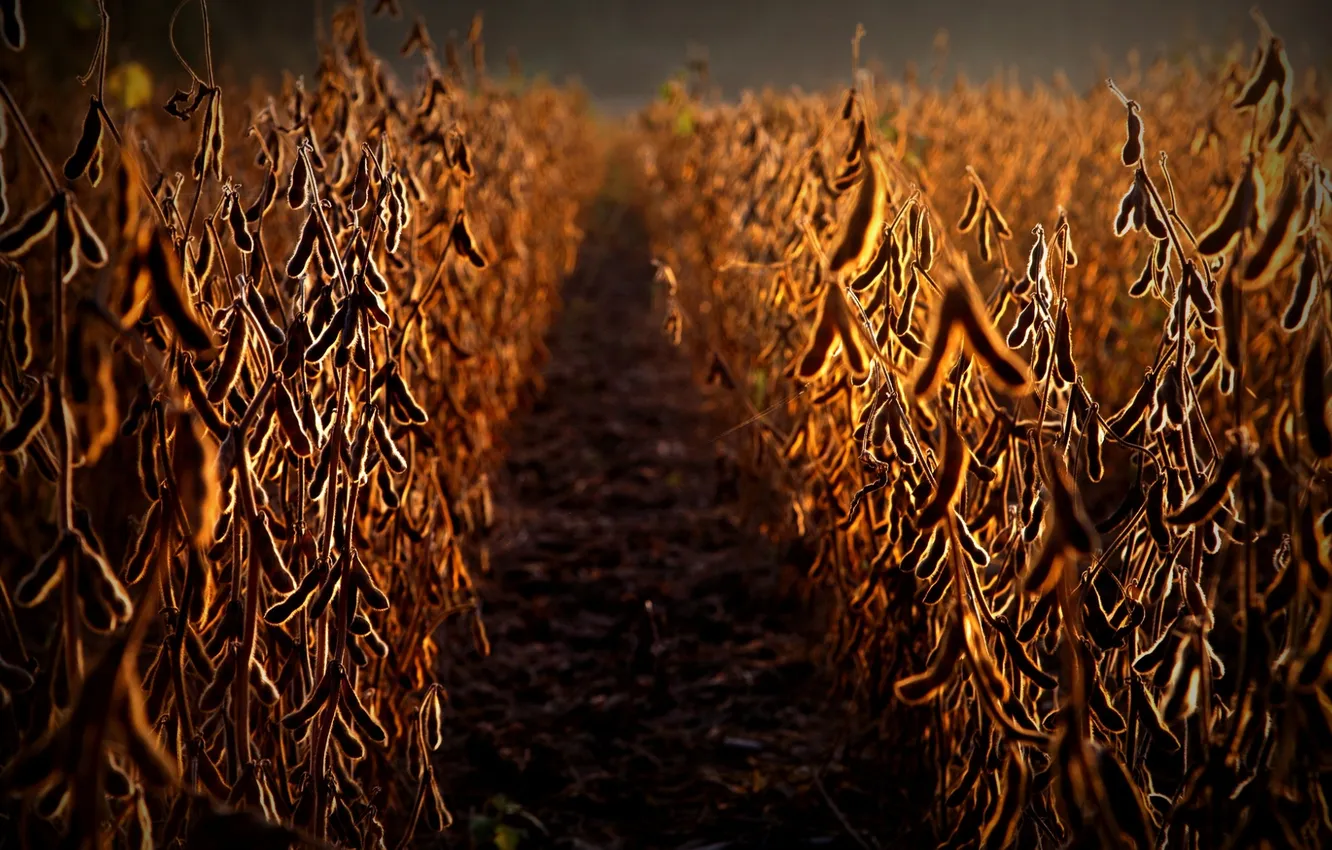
point(684, 123)
point(482, 828)
point(759, 382)
point(508, 837)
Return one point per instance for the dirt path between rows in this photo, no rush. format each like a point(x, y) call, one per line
point(654, 680)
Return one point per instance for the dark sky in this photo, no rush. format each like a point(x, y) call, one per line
point(622, 50)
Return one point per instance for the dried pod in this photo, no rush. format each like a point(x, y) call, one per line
point(31, 229)
point(233, 356)
point(463, 242)
point(950, 479)
point(89, 144)
point(240, 234)
point(960, 318)
point(920, 688)
point(1245, 199)
point(1131, 153)
point(298, 191)
point(1065, 366)
point(31, 417)
point(264, 201)
point(1305, 293)
point(859, 234)
point(971, 212)
point(1313, 399)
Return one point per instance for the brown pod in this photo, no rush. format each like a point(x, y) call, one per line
point(31, 229)
point(925, 246)
point(1272, 251)
point(298, 191)
point(36, 584)
point(1127, 805)
point(1025, 320)
point(950, 479)
point(1305, 293)
point(361, 716)
point(30, 419)
point(1150, 714)
point(903, 324)
point(1269, 71)
point(1125, 421)
point(366, 587)
point(1074, 527)
point(1152, 221)
point(203, 155)
point(897, 433)
point(401, 396)
point(298, 339)
point(1144, 282)
point(970, 212)
point(361, 184)
point(393, 235)
point(330, 684)
point(1013, 646)
point(289, 419)
point(1133, 145)
point(145, 544)
point(1244, 200)
point(217, 135)
point(1205, 502)
point(264, 202)
point(464, 243)
point(920, 688)
point(203, 260)
point(189, 379)
point(13, 30)
point(1313, 399)
point(233, 356)
point(20, 323)
point(1103, 709)
point(1130, 211)
point(1094, 439)
point(432, 717)
point(387, 448)
point(967, 542)
point(1042, 355)
point(985, 236)
point(1001, 828)
point(347, 739)
point(299, 262)
point(263, 686)
point(815, 359)
point(90, 140)
point(1036, 259)
point(323, 470)
point(240, 234)
point(215, 693)
point(290, 605)
point(168, 291)
point(323, 343)
point(960, 319)
point(265, 548)
point(374, 278)
point(1201, 297)
point(859, 235)
point(876, 435)
point(915, 560)
point(258, 310)
point(1063, 347)
point(194, 463)
point(147, 460)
